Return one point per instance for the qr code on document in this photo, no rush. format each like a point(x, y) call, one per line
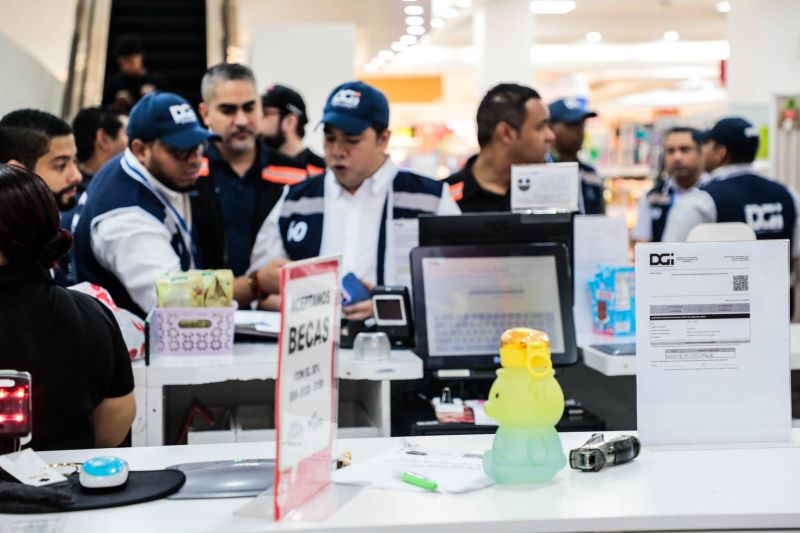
point(740, 283)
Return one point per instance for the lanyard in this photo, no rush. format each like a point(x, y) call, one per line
point(183, 227)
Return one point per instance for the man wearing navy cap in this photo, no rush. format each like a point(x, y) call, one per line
point(568, 120)
point(350, 209)
point(134, 223)
point(735, 193)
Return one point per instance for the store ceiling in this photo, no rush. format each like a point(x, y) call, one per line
point(380, 22)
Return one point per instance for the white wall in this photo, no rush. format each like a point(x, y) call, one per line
point(35, 39)
point(30, 85)
point(311, 58)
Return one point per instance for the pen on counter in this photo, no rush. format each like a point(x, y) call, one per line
point(419, 480)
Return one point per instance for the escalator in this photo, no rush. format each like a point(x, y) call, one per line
point(173, 34)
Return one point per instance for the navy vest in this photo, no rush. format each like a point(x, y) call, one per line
point(113, 188)
point(591, 190)
point(301, 219)
point(763, 204)
point(660, 200)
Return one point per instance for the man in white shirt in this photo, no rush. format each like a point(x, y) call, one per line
point(683, 165)
point(735, 193)
point(134, 223)
point(351, 208)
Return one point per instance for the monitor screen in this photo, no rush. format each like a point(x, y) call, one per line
point(465, 297)
point(471, 301)
point(389, 309)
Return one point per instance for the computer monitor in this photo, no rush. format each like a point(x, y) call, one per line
point(497, 228)
point(465, 297)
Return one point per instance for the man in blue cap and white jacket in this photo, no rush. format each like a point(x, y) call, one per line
point(349, 210)
point(134, 223)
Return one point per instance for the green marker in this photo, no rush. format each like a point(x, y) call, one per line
point(418, 480)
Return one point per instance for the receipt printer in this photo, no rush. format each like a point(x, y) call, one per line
point(391, 307)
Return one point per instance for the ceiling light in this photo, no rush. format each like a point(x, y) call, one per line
point(437, 22)
point(671, 36)
point(415, 30)
point(723, 7)
point(398, 46)
point(450, 13)
point(594, 36)
point(463, 4)
point(552, 7)
point(408, 39)
point(414, 10)
point(385, 55)
point(415, 21)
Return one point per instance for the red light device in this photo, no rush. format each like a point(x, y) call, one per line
point(15, 409)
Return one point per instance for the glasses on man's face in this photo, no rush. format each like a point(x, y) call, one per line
point(183, 154)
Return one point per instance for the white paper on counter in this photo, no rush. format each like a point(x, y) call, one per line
point(712, 342)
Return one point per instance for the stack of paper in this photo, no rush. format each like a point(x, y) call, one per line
point(453, 471)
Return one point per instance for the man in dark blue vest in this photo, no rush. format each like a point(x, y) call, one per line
point(241, 179)
point(735, 193)
point(134, 223)
point(352, 208)
point(568, 121)
point(683, 166)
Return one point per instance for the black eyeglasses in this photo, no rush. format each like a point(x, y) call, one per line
point(183, 154)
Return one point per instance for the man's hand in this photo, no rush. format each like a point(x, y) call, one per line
point(361, 310)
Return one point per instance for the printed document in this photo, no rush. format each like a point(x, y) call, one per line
point(545, 187)
point(712, 342)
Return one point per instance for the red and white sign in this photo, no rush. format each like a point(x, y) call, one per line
point(305, 410)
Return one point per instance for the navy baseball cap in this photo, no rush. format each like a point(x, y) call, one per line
point(355, 106)
point(168, 118)
point(734, 133)
point(569, 110)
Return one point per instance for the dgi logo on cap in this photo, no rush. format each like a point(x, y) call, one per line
point(572, 103)
point(182, 113)
point(347, 98)
point(750, 132)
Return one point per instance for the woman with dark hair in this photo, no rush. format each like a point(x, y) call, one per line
point(82, 383)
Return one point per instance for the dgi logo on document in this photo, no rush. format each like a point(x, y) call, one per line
point(662, 259)
point(764, 217)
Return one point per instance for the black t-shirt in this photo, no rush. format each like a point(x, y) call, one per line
point(123, 91)
point(471, 197)
point(71, 345)
point(313, 163)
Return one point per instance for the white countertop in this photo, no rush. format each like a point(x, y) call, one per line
point(625, 365)
point(738, 488)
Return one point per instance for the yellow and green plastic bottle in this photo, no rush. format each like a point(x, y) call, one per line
point(527, 402)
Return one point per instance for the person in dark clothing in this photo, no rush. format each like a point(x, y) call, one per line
point(99, 135)
point(283, 127)
point(241, 179)
point(133, 80)
point(82, 382)
point(568, 118)
point(513, 129)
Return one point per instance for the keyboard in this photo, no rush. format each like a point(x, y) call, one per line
point(479, 333)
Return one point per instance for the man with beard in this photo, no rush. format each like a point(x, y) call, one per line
point(241, 179)
point(135, 222)
point(58, 167)
point(683, 165)
point(284, 127)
